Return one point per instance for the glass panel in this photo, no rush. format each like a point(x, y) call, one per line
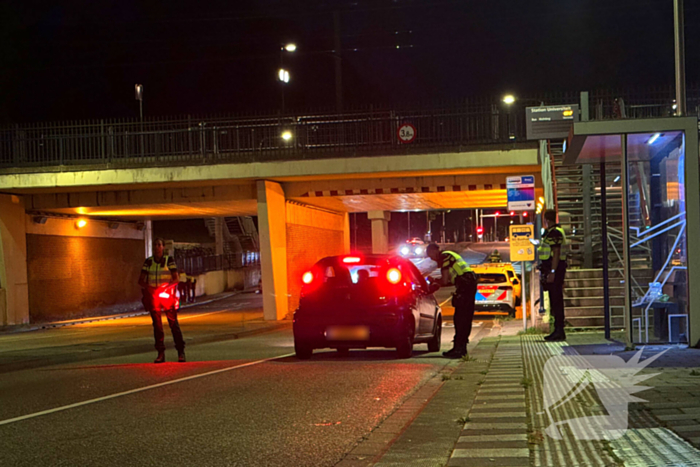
point(657, 237)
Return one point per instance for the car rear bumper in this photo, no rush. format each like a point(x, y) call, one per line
point(319, 335)
point(490, 306)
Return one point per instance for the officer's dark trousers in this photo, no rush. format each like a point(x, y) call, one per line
point(556, 297)
point(158, 333)
point(463, 301)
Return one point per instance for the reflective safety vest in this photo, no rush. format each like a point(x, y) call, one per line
point(454, 264)
point(553, 236)
point(159, 272)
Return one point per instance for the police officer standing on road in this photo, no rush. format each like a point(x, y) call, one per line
point(553, 271)
point(158, 270)
point(455, 271)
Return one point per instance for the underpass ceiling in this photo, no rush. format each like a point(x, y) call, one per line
point(412, 201)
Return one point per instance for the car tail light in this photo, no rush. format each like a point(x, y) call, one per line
point(393, 275)
point(164, 295)
point(351, 259)
point(308, 277)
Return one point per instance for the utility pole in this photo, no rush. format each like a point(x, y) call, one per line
point(678, 29)
point(338, 63)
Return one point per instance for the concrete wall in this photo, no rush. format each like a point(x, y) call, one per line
point(14, 301)
point(215, 282)
point(70, 276)
point(81, 272)
point(311, 235)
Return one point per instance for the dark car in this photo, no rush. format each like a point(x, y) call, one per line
point(366, 301)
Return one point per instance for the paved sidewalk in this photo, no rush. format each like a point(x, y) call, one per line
point(498, 409)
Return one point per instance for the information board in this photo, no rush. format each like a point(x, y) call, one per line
point(521, 249)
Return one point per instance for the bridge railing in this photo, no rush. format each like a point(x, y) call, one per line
point(255, 140)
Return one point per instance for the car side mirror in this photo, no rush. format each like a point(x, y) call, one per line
point(516, 282)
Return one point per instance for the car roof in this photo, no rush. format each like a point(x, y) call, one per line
point(493, 267)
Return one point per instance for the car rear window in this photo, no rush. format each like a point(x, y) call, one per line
point(491, 278)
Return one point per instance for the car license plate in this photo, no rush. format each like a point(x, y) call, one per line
point(347, 333)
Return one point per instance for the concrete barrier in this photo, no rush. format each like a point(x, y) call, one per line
point(214, 282)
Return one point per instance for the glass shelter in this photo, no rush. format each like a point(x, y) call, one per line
point(657, 260)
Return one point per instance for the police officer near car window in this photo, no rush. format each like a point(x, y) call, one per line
point(455, 271)
point(159, 270)
point(553, 271)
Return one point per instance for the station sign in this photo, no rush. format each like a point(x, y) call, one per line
point(521, 249)
point(521, 193)
point(550, 121)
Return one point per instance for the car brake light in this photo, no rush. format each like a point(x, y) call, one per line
point(164, 295)
point(351, 259)
point(393, 276)
point(308, 277)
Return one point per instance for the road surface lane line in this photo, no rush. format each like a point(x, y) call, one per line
point(137, 390)
point(443, 303)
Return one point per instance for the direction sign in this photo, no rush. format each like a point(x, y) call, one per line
point(521, 193)
point(406, 133)
point(521, 249)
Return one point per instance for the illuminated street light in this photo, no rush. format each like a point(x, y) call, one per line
point(286, 135)
point(283, 75)
point(290, 47)
point(509, 99)
point(80, 223)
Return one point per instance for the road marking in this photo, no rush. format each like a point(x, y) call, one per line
point(443, 303)
point(137, 390)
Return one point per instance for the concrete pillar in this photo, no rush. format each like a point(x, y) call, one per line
point(380, 231)
point(14, 289)
point(346, 232)
point(148, 238)
point(272, 222)
point(219, 235)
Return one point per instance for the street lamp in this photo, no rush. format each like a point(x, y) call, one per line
point(509, 99)
point(287, 135)
point(283, 75)
point(290, 47)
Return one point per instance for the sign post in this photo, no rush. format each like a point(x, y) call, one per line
point(522, 249)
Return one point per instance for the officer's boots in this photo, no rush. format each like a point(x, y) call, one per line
point(181, 356)
point(458, 351)
point(160, 358)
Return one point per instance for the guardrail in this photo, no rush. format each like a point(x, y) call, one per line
point(212, 139)
point(196, 265)
point(255, 140)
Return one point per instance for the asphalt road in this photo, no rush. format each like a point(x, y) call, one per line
point(241, 399)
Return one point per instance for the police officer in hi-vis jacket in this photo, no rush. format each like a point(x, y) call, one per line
point(455, 271)
point(553, 270)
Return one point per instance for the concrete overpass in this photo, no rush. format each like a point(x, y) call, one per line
point(301, 190)
point(302, 206)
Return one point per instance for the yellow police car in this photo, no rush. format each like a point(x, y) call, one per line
point(498, 290)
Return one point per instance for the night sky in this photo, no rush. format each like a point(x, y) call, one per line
point(80, 60)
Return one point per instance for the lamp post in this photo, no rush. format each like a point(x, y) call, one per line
point(680, 56)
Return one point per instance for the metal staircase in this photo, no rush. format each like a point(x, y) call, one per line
point(240, 234)
point(578, 192)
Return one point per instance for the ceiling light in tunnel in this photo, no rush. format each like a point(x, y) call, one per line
point(80, 223)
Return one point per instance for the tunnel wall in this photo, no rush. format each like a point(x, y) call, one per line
point(312, 234)
point(75, 273)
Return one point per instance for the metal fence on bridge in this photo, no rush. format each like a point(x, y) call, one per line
point(178, 141)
